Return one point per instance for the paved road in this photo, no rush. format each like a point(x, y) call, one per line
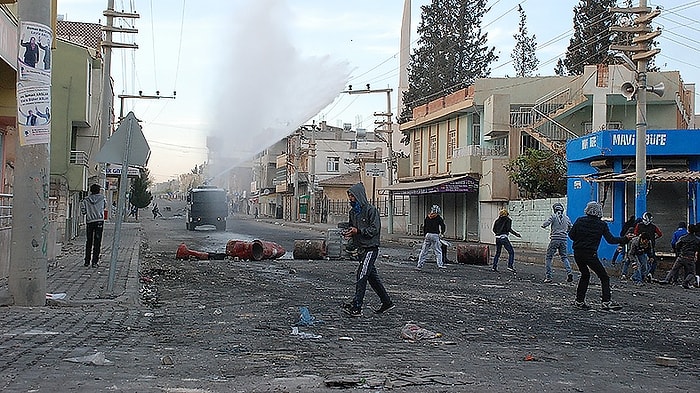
point(221, 326)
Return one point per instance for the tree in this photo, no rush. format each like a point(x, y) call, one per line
point(538, 174)
point(451, 52)
point(524, 59)
point(559, 69)
point(592, 37)
point(139, 196)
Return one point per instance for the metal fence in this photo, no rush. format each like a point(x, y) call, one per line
point(401, 206)
point(6, 210)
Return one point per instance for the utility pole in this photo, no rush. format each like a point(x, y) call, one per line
point(312, 175)
point(30, 210)
point(641, 53)
point(388, 129)
point(107, 91)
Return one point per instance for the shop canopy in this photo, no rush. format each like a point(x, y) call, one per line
point(657, 175)
point(450, 184)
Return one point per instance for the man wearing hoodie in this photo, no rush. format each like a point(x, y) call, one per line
point(586, 233)
point(559, 225)
point(364, 229)
point(433, 226)
point(93, 207)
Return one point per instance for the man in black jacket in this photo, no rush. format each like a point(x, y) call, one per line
point(586, 234)
point(364, 229)
point(433, 226)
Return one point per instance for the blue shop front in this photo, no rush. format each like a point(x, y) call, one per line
point(601, 167)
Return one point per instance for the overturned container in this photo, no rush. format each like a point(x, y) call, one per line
point(309, 249)
point(473, 254)
point(255, 250)
point(185, 253)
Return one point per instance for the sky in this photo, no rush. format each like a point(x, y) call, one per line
point(248, 72)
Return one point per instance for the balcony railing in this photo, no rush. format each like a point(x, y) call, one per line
point(78, 157)
point(477, 150)
point(6, 210)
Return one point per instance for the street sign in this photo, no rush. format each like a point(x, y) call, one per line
point(375, 169)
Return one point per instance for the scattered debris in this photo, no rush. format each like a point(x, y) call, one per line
point(345, 338)
point(666, 361)
point(55, 296)
point(529, 358)
point(296, 332)
point(305, 317)
point(98, 359)
point(166, 360)
point(413, 332)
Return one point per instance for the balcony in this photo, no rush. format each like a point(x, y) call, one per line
point(468, 159)
point(78, 157)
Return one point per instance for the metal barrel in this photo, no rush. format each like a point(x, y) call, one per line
point(473, 254)
point(309, 249)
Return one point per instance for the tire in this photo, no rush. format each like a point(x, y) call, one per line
point(221, 226)
point(190, 227)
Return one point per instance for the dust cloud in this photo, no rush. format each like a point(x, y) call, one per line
point(266, 89)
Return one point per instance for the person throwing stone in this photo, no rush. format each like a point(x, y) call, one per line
point(586, 233)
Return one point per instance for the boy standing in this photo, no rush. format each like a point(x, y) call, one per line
point(93, 207)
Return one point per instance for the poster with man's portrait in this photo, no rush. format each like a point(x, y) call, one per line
point(34, 114)
point(34, 55)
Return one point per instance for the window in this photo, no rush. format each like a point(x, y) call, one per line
point(416, 149)
point(432, 151)
point(451, 142)
point(476, 129)
point(333, 164)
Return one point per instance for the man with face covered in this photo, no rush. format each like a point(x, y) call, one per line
point(586, 233)
point(364, 229)
point(559, 224)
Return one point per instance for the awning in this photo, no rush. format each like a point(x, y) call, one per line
point(657, 175)
point(450, 184)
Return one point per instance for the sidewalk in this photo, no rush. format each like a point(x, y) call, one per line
point(67, 276)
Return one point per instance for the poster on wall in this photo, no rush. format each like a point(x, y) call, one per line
point(33, 114)
point(34, 55)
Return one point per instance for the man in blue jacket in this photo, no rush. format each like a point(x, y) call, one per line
point(364, 229)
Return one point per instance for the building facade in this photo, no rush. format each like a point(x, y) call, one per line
point(460, 143)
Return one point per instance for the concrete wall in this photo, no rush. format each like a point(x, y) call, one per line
point(528, 216)
point(5, 252)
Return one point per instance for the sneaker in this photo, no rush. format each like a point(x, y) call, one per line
point(623, 277)
point(648, 278)
point(95, 265)
point(351, 311)
point(582, 305)
point(86, 264)
point(511, 269)
point(384, 308)
point(570, 278)
point(495, 269)
point(611, 306)
point(547, 280)
point(442, 267)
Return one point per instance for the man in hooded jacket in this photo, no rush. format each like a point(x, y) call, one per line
point(365, 228)
point(586, 233)
point(433, 226)
point(93, 207)
point(559, 224)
